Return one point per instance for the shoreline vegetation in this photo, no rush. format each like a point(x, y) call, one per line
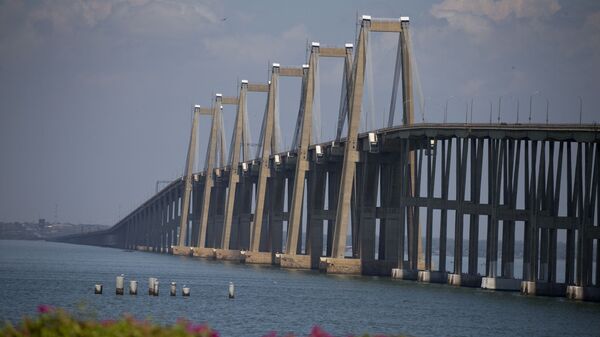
point(57, 322)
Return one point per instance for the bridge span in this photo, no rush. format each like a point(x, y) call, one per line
point(376, 202)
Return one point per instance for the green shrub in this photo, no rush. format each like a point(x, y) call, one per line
point(52, 322)
point(56, 323)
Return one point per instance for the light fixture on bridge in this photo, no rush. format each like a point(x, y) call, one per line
point(349, 45)
point(276, 65)
point(305, 66)
point(277, 159)
point(373, 142)
point(319, 151)
point(244, 81)
point(196, 177)
point(218, 95)
point(196, 108)
point(404, 19)
point(431, 148)
point(218, 172)
point(245, 167)
point(366, 18)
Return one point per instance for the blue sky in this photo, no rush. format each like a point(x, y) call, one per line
point(95, 96)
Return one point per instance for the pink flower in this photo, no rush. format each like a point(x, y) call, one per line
point(200, 329)
point(44, 309)
point(271, 334)
point(316, 331)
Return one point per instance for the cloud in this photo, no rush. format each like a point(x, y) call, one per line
point(258, 47)
point(477, 17)
point(27, 29)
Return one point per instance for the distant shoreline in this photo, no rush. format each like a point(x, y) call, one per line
point(43, 230)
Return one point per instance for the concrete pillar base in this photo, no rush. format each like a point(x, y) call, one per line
point(141, 248)
point(432, 276)
point(259, 257)
point(229, 255)
point(464, 280)
point(503, 284)
point(378, 267)
point(583, 293)
point(340, 266)
point(204, 252)
point(294, 261)
point(543, 289)
point(405, 274)
point(182, 250)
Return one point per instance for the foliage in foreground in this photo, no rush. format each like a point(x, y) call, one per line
point(53, 322)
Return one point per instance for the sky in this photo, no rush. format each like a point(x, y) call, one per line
point(95, 96)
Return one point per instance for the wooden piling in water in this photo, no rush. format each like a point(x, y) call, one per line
point(120, 284)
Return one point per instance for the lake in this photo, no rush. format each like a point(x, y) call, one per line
point(269, 298)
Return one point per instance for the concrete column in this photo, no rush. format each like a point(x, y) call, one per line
point(277, 187)
point(234, 176)
point(209, 179)
point(367, 196)
point(315, 209)
point(189, 167)
point(333, 192)
point(476, 173)
point(302, 157)
point(264, 170)
point(350, 148)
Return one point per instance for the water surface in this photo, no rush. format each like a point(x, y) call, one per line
point(268, 298)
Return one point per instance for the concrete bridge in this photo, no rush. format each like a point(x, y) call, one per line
point(371, 203)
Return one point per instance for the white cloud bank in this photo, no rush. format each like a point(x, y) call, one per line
point(477, 17)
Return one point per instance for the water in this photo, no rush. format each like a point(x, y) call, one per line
point(270, 299)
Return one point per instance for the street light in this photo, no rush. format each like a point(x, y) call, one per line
point(446, 109)
point(471, 119)
point(472, 104)
point(531, 103)
point(580, 108)
point(500, 105)
point(547, 108)
point(424, 104)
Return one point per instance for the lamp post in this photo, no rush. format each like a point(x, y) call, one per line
point(446, 109)
point(547, 108)
point(580, 108)
point(471, 120)
point(531, 103)
point(425, 104)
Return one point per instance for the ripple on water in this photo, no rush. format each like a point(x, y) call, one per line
point(270, 299)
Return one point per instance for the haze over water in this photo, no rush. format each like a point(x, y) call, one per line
point(270, 299)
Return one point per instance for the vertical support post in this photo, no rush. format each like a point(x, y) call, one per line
point(302, 156)
point(189, 167)
point(431, 164)
point(264, 169)
point(209, 179)
point(234, 175)
point(350, 149)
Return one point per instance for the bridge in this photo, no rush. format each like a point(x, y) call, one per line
point(374, 202)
